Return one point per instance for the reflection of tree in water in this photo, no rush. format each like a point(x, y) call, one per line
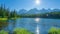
point(3, 24)
point(7, 25)
point(11, 25)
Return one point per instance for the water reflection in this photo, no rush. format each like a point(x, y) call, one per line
point(7, 25)
point(37, 28)
point(37, 20)
point(3, 24)
point(11, 25)
point(36, 25)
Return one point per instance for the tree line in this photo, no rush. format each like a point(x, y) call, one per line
point(53, 14)
point(6, 13)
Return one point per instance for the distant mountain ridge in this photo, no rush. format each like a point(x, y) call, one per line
point(36, 11)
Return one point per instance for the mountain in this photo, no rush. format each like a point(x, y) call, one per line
point(33, 11)
point(22, 11)
point(43, 10)
point(36, 11)
point(56, 10)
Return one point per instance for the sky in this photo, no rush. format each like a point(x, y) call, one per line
point(30, 4)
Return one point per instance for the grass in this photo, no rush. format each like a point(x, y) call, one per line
point(54, 30)
point(3, 32)
point(22, 31)
point(7, 18)
point(3, 18)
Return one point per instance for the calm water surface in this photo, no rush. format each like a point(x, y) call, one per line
point(31, 24)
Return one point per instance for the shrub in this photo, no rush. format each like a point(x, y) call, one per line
point(54, 30)
point(21, 31)
point(3, 32)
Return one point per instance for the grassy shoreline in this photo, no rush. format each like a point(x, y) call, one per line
point(3, 18)
point(7, 18)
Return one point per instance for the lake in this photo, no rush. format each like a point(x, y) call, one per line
point(31, 24)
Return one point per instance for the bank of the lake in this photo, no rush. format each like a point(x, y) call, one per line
point(3, 18)
point(9, 18)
